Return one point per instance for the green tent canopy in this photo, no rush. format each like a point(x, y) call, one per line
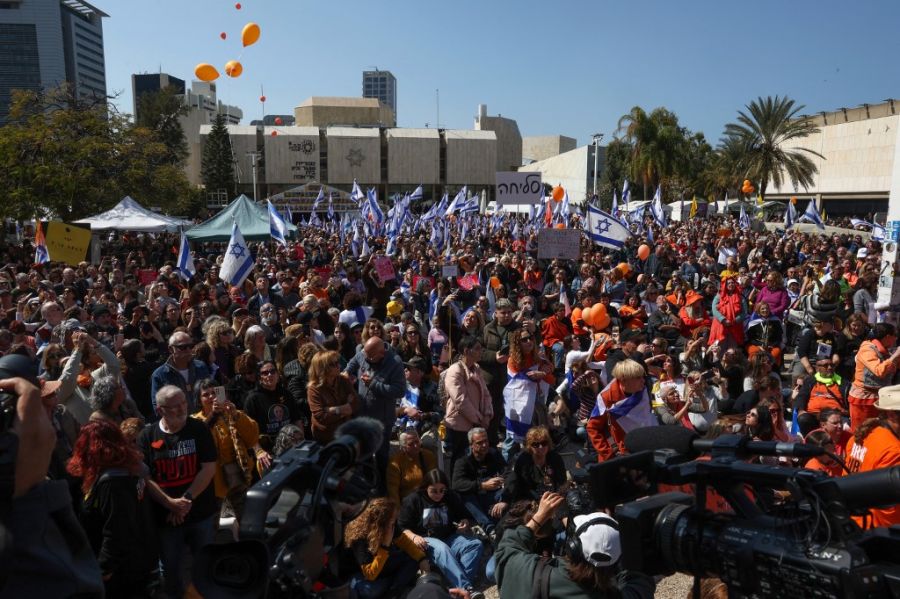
point(251, 219)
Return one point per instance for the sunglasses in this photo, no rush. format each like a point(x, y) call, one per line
point(183, 346)
point(541, 444)
point(412, 332)
point(524, 339)
point(266, 372)
point(437, 490)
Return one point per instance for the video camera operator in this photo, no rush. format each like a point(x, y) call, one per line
point(587, 569)
point(44, 550)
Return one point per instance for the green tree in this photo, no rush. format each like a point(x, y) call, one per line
point(615, 171)
point(658, 145)
point(765, 133)
point(217, 167)
point(160, 111)
point(67, 156)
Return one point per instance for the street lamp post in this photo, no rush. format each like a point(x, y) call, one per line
point(596, 137)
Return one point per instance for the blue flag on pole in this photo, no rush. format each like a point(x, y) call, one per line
point(277, 227)
point(238, 261)
point(185, 262)
point(605, 230)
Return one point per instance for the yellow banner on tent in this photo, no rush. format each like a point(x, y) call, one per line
point(67, 243)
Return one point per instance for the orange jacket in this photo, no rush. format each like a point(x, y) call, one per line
point(880, 449)
point(600, 427)
point(870, 365)
point(553, 330)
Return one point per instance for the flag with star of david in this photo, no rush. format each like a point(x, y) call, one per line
point(238, 260)
point(605, 230)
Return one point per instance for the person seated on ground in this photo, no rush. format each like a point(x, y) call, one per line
point(589, 567)
point(629, 381)
point(407, 467)
point(383, 562)
point(817, 342)
point(674, 410)
point(823, 463)
point(478, 478)
point(764, 388)
point(836, 425)
point(765, 333)
point(537, 469)
point(825, 390)
point(435, 519)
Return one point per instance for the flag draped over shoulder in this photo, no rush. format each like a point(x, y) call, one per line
point(238, 261)
point(605, 230)
point(630, 413)
point(519, 398)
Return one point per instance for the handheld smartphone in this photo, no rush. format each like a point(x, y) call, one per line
point(221, 398)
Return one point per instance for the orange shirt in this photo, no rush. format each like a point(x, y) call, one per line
point(881, 449)
point(833, 470)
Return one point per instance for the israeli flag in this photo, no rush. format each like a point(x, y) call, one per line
point(605, 230)
point(615, 205)
point(879, 233)
point(289, 216)
point(356, 194)
point(744, 220)
point(330, 208)
point(812, 215)
point(458, 201)
point(185, 264)
point(374, 209)
point(319, 199)
point(277, 227)
point(790, 216)
point(858, 222)
point(656, 208)
point(238, 261)
point(626, 194)
point(417, 195)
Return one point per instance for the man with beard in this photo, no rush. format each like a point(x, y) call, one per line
point(495, 341)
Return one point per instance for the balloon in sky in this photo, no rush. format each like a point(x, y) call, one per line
point(233, 68)
point(278, 120)
point(238, 6)
point(250, 34)
point(274, 133)
point(206, 72)
point(262, 98)
point(223, 35)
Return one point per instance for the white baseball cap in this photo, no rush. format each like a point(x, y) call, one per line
point(599, 536)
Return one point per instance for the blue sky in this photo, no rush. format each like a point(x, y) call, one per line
point(566, 67)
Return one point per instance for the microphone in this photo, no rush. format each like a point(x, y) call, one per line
point(867, 489)
point(356, 438)
point(687, 442)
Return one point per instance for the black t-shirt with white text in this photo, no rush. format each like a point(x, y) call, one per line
point(175, 460)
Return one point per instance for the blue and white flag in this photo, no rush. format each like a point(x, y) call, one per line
point(790, 216)
point(519, 399)
point(858, 222)
point(277, 227)
point(357, 194)
point(375, 211)
point(319, 199)
point(458, 201)
point(615, 205)
point(330, 207)
point(238, 261)
point(630, 413)
point(564, 206)
point(812, 215)
point(744, 220)
point(185, 264)
point(605, 230)
point(417, 194)
point(626, 194)
point(656, 208)
point(879, 233)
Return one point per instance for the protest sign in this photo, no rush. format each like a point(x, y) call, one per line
point(67, 243)
point(384, 268)
point(519, 188)
point(564, 244)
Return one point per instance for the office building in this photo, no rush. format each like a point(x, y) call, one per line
point(149, 83)
point(381, 85)
point(509, 140)
point(203, 107)
point(44, 43)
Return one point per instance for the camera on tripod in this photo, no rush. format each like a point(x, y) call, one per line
point(299, 558)
point(765, 531)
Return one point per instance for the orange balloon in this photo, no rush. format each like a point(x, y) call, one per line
point(624, 268)
point(233, 68)
point(223, 35)
point(602, 321)
point(278, 120)
point(599, 310)
point(560, 225)
point(586, 315)
point(274, 133)
point(747, 183)
point(250, 34)
point(644, 251)
point(262, 98)
point(206, 72)
point(558, 193)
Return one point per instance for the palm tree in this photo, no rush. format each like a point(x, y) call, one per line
point(658, 145)
point(763, 134)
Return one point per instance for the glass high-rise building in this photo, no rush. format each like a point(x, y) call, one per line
point(381, 85)
point(46, 42)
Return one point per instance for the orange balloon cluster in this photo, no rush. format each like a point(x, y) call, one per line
point(596, 317)
point(558, 194)
point(249, 36)
point(644, 251)
point(747, 187)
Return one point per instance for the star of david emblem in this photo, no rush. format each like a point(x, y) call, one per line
point(355, 157)
point(602, 226)
point(237, 250)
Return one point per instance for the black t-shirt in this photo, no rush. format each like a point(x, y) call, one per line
point(270, 410)
point(175, 460)
point(812, 348)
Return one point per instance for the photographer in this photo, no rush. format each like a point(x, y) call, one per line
point(587, 569)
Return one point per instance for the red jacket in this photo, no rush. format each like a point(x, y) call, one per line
point(600, 427)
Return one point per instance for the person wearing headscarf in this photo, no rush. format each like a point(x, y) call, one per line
point(729, 312)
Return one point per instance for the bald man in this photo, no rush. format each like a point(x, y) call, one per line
point(380, 382)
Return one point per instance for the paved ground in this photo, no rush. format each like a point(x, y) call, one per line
point(672, 587)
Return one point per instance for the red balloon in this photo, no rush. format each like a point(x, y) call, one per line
point(238, 6)
point(223, 35)
point(278, 120)
point(274, 133)
point(262, 98)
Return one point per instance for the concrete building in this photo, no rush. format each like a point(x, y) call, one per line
point(381, 85)
point(574, 170)
point(320, 111)
point(509, 140)
point(203, 108)
point(272, 120)
point(542, 147)
point(860, 169)
point(148, 83)
point(44, 43)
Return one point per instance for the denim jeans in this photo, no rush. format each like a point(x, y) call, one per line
point(398, 572)
point(559, 355)
point(458, 558)
point(172, 542)
point(480, 504)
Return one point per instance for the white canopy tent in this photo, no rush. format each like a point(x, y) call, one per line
point(681, 209)
point(128, 215)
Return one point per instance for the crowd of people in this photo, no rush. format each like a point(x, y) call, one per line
point(170, 396)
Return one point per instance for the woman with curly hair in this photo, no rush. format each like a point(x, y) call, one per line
point(220, 338)
point(413, 345)
point(383, 561)
point(116, 511)
point(525, 393)
point(632, 313)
